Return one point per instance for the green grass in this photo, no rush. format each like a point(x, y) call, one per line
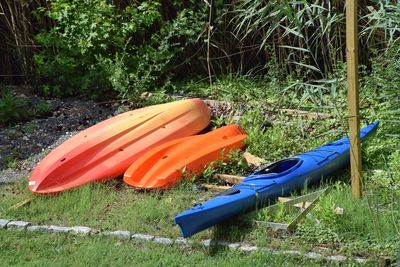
point(33, 249)
point(104, 206)
point(369, 227)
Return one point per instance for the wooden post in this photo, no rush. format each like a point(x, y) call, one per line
point(353, 99)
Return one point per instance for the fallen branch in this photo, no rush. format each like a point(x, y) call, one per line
point(308, 114)
point(233, 179)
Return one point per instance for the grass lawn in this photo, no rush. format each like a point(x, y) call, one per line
point(368, 227)
point(31, 249)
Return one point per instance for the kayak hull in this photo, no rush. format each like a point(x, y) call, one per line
point(278, 179)
point(164, 165)
point(105, 150)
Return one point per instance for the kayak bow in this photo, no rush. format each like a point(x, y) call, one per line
point(278, 179)
point(163, 166)
point(105, 150)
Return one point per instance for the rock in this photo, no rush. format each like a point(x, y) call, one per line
point(104, 233)
point(183, 241)
point(248, 248)
point(163, 240)
point(18, 225)
point(233, 245)
point(59, 229)
point(3, 223)
point(313, 255)
point(292, 252)
point(337, 258)
point(142, 237)
point(121, 234)
point(207, 242)
point(227, 244)
point(339, 211)
point(38, 228)
point(81, 230)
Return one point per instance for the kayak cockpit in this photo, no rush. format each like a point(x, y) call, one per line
point(278, 168)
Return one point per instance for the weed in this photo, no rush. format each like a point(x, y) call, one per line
point(42, 109)
point(30, 127)
point(11, 160)
point(12, 108)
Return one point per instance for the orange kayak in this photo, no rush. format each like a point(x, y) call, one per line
point(105, 150)
point(163, 166)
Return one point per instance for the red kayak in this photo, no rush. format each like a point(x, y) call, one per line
point(105, 150)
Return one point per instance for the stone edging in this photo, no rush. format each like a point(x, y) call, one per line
point(85, 231)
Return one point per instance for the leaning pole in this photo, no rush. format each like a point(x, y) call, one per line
point(353, 98)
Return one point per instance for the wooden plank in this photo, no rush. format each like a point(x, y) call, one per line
point(274, 225)
point(302, 205)
point(310, 115)
point(353, 96)
point(20, 204)
point(308, 197)
point(233, 179)
point(302, 202)
point(302, 215)
point(216, 188)
point(254, 160)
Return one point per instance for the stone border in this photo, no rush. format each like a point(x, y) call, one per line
point(86, 231)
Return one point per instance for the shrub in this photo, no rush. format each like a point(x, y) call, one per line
point(99, 45)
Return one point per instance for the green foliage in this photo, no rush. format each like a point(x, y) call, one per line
point(11, 160)
point(235, 164)
point(383, 22)
point(96, 45)
point(12, 108)
point(41, 109)
point(15, 109)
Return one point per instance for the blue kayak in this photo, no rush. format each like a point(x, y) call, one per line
point(278, 179)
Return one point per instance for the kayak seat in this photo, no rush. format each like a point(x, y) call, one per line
point(279, 166)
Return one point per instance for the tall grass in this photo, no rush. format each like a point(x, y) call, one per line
point(302, 38)
point(311, 34)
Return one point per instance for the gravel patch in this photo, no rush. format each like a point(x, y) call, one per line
point(24, 144)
